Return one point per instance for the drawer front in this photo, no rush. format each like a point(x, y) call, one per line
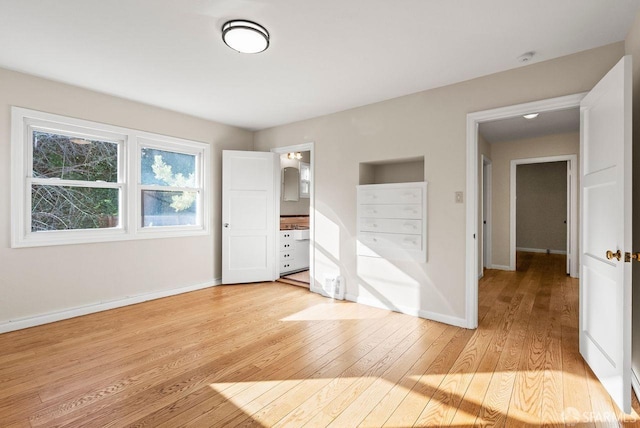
point(409, 195)
point(391, 241)
point(286, 266)
point(286, 245)
point(386, 225)
point(403, 211)
point(286, 256)
point(286, 235)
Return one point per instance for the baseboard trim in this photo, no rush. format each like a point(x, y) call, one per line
point(635, 383)
point(500, 267)
point(21, 323)
point(540, 250)
point(433, 316)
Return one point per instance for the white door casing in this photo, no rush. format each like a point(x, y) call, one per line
point(605, 285)
point(250, 212)
point(472, 211)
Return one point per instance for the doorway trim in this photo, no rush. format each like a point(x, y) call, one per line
point(572, 208)
point(471, 244)
point(485, 214)
point(307, 147)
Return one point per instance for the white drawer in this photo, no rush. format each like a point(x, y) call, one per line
point(286, 235)
point(286, 245)
point(404, 211)
point(286, 266)
point(387, 225)
point(286, 255)
point(409, 195)
point(391, 241)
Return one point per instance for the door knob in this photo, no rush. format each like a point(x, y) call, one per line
point(631, 256)
point(611, 255)
point(226, 225)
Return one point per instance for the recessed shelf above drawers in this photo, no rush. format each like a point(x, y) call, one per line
point(392, 221)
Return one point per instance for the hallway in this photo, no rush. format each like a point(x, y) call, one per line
point(540, 366)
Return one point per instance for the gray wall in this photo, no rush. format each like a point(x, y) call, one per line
point(541, 206)
point(44, 280)
point(432, 124)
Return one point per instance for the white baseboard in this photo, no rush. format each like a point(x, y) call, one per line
point(500, 267)
point(433, 316)
point(635, 383)
point(540, 250)
point(35, 320)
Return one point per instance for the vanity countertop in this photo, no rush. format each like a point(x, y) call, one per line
point(294, 222)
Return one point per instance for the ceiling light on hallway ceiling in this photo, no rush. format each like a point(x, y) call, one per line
point(531, 115)
point(245, 36)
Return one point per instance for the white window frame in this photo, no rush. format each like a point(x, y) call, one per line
point(170, 145)
point(130, 142)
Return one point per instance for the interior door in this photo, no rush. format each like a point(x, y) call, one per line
point(250, 211)
point(605, 279)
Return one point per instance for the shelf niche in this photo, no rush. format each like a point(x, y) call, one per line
point(408, 170)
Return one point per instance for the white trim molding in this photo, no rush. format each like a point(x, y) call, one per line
point(429, 315)
point(540, 250)
point(25, 122)
point(635, 383)
point(35, 320)
point(473, 120)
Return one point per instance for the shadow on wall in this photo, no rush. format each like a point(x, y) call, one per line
point(397, 286)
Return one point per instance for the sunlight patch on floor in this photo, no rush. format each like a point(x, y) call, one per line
point(335, 311)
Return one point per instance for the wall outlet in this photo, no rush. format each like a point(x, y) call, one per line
point(334, 286)
point(459, 198)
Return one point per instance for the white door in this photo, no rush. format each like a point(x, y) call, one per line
point(250, 212)
point(605, 282)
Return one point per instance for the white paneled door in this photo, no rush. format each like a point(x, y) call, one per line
point(605, 276)
point(250, 212)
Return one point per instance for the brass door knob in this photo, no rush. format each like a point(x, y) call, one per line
point(611, 255)
point(631, 256)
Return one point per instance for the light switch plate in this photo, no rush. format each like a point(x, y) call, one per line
point(459, 198)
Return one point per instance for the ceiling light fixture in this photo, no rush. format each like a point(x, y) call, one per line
point(245, 36)
point(531, 115)
point(296, 155)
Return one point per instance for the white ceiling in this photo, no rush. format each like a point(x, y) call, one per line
point(325, 56)
point(517, 128)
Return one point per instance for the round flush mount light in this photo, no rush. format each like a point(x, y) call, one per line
point(530, 115)
point(245, 36)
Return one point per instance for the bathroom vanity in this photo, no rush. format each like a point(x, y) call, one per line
point(294, 250)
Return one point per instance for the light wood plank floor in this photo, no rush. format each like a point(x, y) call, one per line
point(276, 355)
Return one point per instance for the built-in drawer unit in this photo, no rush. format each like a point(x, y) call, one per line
point(392, 221)
point(294, 250)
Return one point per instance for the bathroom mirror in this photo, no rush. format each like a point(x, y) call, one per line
point(291, 181)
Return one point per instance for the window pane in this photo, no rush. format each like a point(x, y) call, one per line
point(164, 168)
point(163, 208)
point(65, 208)
point(71, 158)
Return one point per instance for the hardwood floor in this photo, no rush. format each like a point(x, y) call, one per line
point(276, 355)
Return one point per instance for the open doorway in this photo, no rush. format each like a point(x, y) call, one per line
point(499, 251)
point(541, 211)
point(296, 215)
